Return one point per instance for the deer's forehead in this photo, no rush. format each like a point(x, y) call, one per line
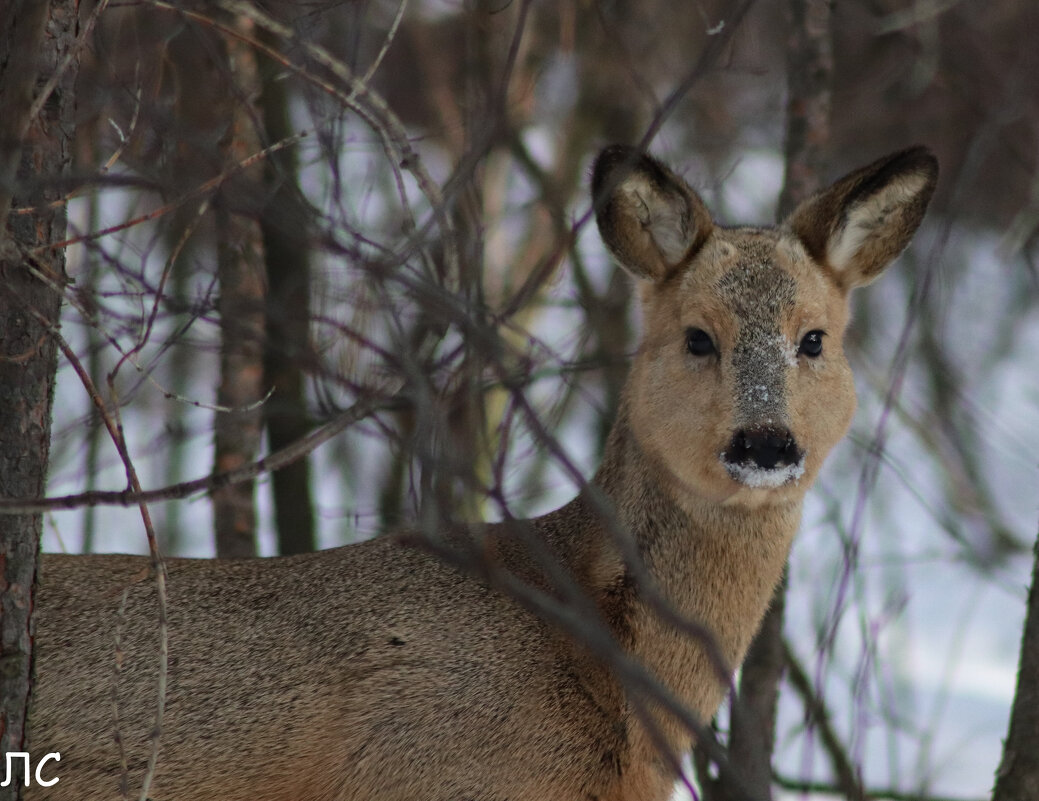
point(757, 289)
point(755, 276)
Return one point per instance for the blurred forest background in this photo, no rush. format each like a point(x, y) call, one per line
point(287, 220)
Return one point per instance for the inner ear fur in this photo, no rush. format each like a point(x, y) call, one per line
point(859, 225)
point(650, 219)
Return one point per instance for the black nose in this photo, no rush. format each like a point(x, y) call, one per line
point(765, 448)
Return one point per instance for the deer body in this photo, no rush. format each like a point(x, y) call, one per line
point(376, 671)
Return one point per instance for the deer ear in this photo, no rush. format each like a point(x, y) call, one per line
point(649, 218)
point(859, 225)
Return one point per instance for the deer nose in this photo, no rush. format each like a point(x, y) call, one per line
point(765, 448)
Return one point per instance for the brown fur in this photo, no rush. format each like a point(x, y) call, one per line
point(376, 672)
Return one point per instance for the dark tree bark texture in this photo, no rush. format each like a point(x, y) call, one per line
point(34, 153)
point(240, 270)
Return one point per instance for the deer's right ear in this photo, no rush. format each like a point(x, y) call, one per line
point(649, 218)
point(856, 227)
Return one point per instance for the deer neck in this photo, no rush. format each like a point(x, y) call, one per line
point(715, 565)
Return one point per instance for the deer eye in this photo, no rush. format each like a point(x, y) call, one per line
point(698, 342)
point(812, 344)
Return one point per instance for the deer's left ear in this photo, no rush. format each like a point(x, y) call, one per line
point(859, 225)
point(650, 219)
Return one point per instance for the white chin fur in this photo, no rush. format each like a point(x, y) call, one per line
point(760, 478)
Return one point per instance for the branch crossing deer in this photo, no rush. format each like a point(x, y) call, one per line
point(378, 672)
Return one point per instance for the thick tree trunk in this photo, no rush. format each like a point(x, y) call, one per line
point(34, 153)
point(1018, 776)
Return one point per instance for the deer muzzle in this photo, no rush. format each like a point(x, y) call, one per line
point(763, 456)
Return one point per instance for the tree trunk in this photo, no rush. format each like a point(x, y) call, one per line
point(287, 343)
point(242, 297)
point(754, 721)
point(1018, 775)
point(809, 78)
point(34, 154)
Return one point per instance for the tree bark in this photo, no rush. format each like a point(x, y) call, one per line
point(287, 344)
point(754, 721)
point(1018, 776)
point(809, 99)
point(35, 153)
point(242, 296)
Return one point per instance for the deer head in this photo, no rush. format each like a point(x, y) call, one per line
point(741, 387)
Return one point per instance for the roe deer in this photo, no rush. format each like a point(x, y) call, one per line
point(377, 672)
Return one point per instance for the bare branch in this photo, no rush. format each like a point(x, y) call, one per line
point(286, 455)
point(158, 564)
point(876, 793)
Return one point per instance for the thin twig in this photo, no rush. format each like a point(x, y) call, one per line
point(115, 430)
point(376, 112)
point(275, 461)
point(208, 186)
point(875, 793)
point(712, 50)
point(386, 42)
point(127, 356)
point(174, 254)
